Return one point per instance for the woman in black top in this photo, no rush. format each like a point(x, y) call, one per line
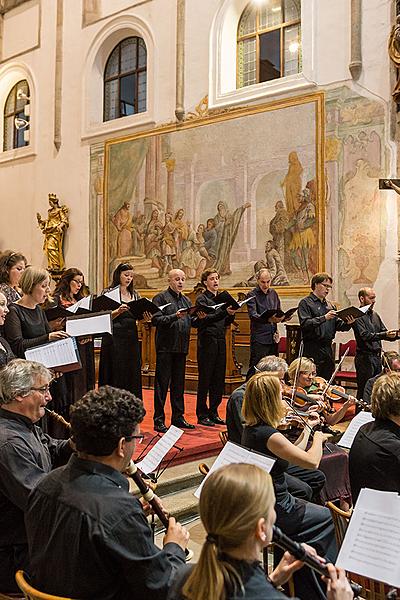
point(120, 356)
point(237, 511)
point(12, 265)
point(299, 519)
point(6, 354)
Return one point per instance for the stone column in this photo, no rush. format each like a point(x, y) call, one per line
point(58, 75)
point(355, 65)
point(180, 60)
point(170, 165)
point(149, 177)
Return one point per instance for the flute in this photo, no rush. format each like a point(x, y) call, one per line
point(150, 497)
point(297, 550)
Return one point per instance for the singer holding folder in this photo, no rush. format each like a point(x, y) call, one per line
point(120, 359)
point(237, 511)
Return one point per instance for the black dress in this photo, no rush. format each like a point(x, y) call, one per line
point(120, 355)
point(6, 354)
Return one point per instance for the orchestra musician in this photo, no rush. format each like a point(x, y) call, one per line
point(299, 519)
point(112, 556)
point(390, 363)
point(237, 511)
point(211, 351)
point(319, 324)
point(369, 331)
point(374, 460)
point(26, 455)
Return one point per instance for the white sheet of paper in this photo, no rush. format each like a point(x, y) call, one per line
point(164, 306)
point(153, 458)
point(89, 325)
point(82, 303)
point(365, 308)
point(54, 354)
point(371, 546)
point(348, 437)
point(114, 294)
point(245, 301)
point(233, 454)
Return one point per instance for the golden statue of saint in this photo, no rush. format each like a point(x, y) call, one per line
point(53, 229)
point(394, 53)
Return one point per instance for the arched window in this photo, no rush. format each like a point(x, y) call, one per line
point(125, 79)
point(16, 117)
point(269, 42)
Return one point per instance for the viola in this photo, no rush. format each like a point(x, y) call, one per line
point(301, 399)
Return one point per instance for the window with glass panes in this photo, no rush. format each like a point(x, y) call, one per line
point(15, 109)
point(125, 79)
point(269, 41)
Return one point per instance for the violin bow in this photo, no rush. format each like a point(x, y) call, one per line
point(385, 360)
point(334, 373)
point(296, 375)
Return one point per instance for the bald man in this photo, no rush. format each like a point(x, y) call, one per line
point(172, 344)
point(369, 332)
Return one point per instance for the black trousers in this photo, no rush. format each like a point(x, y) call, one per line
point(367, 366)
point(322, 355)
point(170, 371)
point(12, 558)
point(211, 361)
point(257, 352)
point(304, 483)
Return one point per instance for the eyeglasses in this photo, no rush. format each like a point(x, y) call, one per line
point(78, 282)
point(139, 438)
point(327, 286)
point(44, 389)
point(308, 374)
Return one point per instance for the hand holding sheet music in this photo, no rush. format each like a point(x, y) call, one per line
point(154, 457)
point(233, 454)
point(347, 438)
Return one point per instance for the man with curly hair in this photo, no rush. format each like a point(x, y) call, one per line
point(88, 536)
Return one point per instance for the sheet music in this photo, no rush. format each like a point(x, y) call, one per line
point(54, 354)
point(233, 454)
point(164, 306)
point(153, 458)
point(114, 294)
point(245, 301)
point(82, 303)
point(371, 546)
point(347, 438)
point(365, 308)
point(89, 325)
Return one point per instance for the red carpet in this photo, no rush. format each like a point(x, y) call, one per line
point(196, 443)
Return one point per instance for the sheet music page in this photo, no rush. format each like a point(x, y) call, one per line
point(244, 301)
point(233, 454)
point(82, 303)
point(89, 325)
point(153, 458)
point(371, 546)
point(54, 354)
point(164, 306)
point(347, 438)
point(114, 294)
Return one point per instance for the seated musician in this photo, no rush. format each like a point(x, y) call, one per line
point(390, 363)
point(302, 483)
point(374, 459)
point(306, 380)
point(237, 511)
point(302, 520)
point(26, 456)
point(88, 536)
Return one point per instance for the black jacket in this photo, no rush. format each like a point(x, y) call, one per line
point(214, 324)
point(172, 333)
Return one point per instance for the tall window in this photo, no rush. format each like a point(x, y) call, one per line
point(125, 79)
point(269, 41)
point(16, 117)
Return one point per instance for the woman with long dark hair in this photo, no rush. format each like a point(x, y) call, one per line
point(120, 360)
point(12, 265)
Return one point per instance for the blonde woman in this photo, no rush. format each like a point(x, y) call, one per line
point(237, 511)
point(302, 520)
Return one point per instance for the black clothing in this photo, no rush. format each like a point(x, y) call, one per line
point(301, 520)
point(172, 333)
point(234, 419)
point(368, 387)
point(211, 356)
point(25, 328)
point(172, 345)
point(86, 507)
point(261, 333)
point(6, 354)
point(369, 330)
point(318, 333)
point(26, 455)
point(255, 584)
point(120, 354)
point(374, 460)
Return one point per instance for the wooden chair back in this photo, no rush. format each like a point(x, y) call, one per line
point(31, 593)
point(223, 436)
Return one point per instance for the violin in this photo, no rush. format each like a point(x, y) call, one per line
point(336, 392)
point(302, 399)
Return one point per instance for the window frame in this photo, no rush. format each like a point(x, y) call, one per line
point(14, 114)
point(120, 76)
point(256, 34)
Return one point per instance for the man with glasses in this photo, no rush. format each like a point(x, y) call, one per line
point(88, 536)
point(26, 455)
point(319, 324)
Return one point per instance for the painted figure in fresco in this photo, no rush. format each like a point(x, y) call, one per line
point(152, 240)
point(274, 264)
point(303, 238)
point(278, 225)
point(181, 232)
point(53, 229)
point(123, 224)
point(211, 240)
point(168, 243)
point(226, 226)
point(292, 183)
point(201, 241)
point(138, 234)
point(193, 264)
